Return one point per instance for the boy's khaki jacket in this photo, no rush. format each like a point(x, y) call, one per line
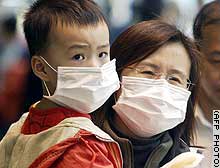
point(20, 151)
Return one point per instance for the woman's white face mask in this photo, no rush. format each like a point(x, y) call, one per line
point(151, 106)
point(84, 89)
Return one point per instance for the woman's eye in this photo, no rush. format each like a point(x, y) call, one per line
point(78, 57)
point(103, 55)
point(148, 72)
point(175, 79)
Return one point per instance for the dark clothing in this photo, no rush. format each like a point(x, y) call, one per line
point(151, 152)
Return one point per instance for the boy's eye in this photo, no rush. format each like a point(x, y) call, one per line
point(78, 57)
point(103, 55)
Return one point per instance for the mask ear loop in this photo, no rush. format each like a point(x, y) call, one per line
point(48, 64)
point(48, 92)
point(114, 95)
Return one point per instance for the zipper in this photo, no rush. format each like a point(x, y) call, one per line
point(111, 149)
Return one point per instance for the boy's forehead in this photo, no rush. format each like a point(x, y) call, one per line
point(68, 33)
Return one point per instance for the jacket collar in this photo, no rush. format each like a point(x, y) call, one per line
point(156, 156)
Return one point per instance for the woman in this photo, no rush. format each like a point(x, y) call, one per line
point(153, 109)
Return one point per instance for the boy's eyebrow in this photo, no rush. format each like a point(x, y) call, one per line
point(103, 46)
point(79, 46)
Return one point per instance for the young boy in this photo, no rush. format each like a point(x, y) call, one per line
point(69, 44)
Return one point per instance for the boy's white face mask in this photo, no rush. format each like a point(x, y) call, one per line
point(149, 107)
point(84, 89)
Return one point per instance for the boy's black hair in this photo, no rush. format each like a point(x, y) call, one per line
point(209, 14)
point(44, 14)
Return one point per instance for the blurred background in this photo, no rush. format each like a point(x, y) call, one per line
point(19, 88)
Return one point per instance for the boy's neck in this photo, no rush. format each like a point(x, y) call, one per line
point(45, 103)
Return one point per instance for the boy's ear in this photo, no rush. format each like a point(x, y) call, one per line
point(39, 68)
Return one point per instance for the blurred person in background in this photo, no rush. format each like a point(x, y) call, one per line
point(181, 13)
point(147, 9)
point(13, 72)
point(121, 14)
point(206, 32)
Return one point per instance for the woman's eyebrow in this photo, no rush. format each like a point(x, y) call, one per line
point(148, 64)
point(176, 71)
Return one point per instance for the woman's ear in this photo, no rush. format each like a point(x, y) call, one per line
point(39, 68)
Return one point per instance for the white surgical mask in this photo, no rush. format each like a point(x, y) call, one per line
point(151, 106)
point(84, 89)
